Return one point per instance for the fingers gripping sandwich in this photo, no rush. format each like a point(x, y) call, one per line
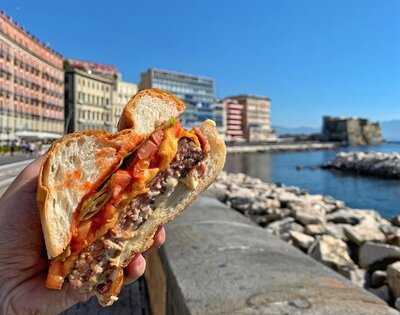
point(102, 196)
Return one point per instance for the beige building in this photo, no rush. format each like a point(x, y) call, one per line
point(256, 117)
point(31, 85)
point(120, 97)
point(88, 98)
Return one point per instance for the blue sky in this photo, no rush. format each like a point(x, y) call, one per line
point(311, 57)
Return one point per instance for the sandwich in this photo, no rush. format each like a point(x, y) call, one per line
point(102, 196)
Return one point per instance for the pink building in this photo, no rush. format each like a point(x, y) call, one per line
point(235, 120)
point(31, 85)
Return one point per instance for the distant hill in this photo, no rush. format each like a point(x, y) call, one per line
point(280, 130)
point(391, 130)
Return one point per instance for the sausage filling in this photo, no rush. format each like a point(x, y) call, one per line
point(95, 267)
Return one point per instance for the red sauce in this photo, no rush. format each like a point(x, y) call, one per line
point(71, 178)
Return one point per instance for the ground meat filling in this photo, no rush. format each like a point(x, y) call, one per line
point(94, 266)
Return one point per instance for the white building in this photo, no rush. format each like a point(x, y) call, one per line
point(120, 97)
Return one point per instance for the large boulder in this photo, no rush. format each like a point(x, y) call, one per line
point(308, 212)
point(219, 191)
point(396, 220)
point(276, 214)
point(371, 253)
point(258, 208)
point(378, 278)
point(354, 274)
point(237, 178)
point(281, 226)
point(362, 233)
point(357, 216)
point(343, 216)
point(337, 230)
point(301, 240)
point(370, 217)
point(285, 197)
point(332, 252)
point(252, 181)
point(393, 277)
point(241, 198)
point(315, 229)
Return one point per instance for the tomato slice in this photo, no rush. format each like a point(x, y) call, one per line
point(119, 181)
point(157, 137)
point(147, 150)
point(205, 146)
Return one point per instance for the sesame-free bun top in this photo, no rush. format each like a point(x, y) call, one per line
point(148, 109)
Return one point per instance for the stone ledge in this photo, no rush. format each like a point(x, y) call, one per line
point(216, 261)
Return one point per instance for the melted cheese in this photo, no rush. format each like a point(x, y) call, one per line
point(169, 145)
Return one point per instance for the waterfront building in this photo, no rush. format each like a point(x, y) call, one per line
point(88, 96)
point(197, 92)
point(351, 131)
point(234, 120)
point(256, 117)
point(220, 117)
point(120, 97)
point(31, 85)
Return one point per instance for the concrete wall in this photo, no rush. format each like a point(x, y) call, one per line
point(216, 261)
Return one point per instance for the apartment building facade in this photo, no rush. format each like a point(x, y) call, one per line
point(88, 96)
point(256, 117)
point(31, 85)
point(234, 120)
point(198, 94)
point(220, 117)
point(120, 97)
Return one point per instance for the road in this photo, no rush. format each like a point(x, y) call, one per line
point(9, 171)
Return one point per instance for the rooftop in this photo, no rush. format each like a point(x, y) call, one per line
point(344, 118)
point(181, 74)
point(93, 66)
point(15, 24)
point(91, 75)
point(258, 97)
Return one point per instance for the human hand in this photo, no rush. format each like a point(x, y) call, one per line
point(23, 263)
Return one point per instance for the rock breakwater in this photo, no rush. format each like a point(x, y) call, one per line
point(358, 243)
point(385, 165)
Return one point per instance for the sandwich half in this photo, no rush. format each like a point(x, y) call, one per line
point(102, 196)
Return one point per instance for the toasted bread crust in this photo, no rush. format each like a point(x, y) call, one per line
point(127, 117)
point(43, 191)
point(55, 248)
